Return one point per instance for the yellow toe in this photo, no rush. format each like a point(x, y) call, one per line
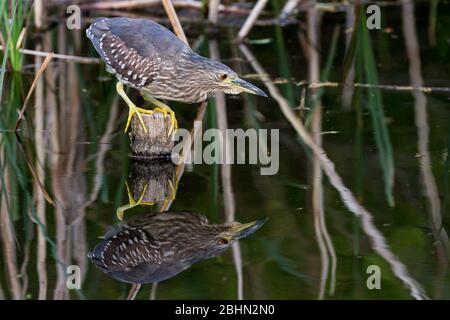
point(135, 110)
point(173, 121)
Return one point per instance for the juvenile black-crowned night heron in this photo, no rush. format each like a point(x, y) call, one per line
point(153, 247)
point(148, 57)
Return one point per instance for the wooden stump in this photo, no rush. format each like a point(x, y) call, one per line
point(157, 178)
point(156, 143)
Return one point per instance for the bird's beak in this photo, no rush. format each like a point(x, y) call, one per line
point(241, 230)
point(245, 86)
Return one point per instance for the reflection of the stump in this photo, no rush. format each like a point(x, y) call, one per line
point(152, 247)
point(156, 177)
point(149, 182)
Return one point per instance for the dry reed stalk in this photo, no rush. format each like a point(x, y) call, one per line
point(253, 16)
point(58, 56)
point(330, 84)
point(423, 130)
point(175, 22)
point(226, 175)
point(213, 14)
point(288, 8)
point(186, 4)
point(20, 117)
point(33, 85)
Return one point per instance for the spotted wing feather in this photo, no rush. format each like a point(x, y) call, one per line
point(126, 249)
point(149, 38)
point(133, 49)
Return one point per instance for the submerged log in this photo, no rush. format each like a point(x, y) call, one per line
point(154, 144)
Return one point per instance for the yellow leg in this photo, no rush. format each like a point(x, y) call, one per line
point(131, 202)
point(165, 109)
point(133, 109)
point(173, 192)
point(173, 189)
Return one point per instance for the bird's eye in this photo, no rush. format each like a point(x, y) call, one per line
point(223, 76)
point(223, 241)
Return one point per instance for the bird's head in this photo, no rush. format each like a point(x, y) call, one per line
point(218, 77)
point(227, 234)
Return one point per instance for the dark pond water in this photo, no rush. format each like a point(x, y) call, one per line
point(312, 246)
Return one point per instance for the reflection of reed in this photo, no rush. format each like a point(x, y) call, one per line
point(2, 294)
point(348, 90)
point(135, 290)
point(39, 138)
point(432, 22)
point(326, 248)
point(153, 291)
point(420, 106)
point(378, 241)
point(56, 127)
point(67, 162)
point(23, 268)
point(316, 127)
point(7, 232)
point(228, 195)
point(103, 148)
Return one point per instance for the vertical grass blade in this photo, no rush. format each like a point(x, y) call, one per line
point(375, 105)
point(312, 103)
point(283, 58)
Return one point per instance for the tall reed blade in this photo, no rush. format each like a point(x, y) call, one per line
point(375, 105)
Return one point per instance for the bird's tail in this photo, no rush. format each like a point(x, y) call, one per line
point(96, 31)
point(96, 256)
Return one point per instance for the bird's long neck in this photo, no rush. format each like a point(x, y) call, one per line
point(195, 69)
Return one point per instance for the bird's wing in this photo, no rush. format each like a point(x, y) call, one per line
point(127, 248)
point(135, 50)
point(148, 38)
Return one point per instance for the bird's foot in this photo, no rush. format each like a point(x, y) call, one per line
point(131, 202)
point(164, 109)
point(141, 197)
point(132, 108)
point(168, 112)
point(173, 190)
point(138, 111)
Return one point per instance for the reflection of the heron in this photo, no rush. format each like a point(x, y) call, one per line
point(151, 247)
